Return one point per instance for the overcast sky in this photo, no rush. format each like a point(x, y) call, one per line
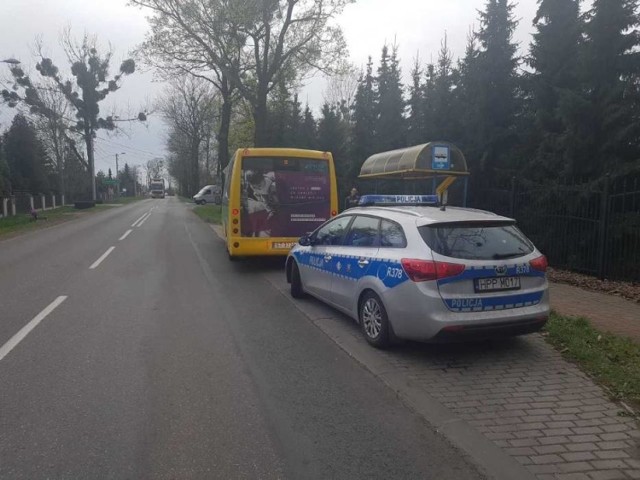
point(417, 26)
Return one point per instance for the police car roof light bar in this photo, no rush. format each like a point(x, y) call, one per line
point(398, 200)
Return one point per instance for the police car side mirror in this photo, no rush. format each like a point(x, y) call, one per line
point(305, 241)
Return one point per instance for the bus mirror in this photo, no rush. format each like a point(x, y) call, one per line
point(305, 241)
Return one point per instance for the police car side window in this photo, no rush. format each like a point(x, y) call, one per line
point(333, 232)
point(363, 232)
point(391, 235)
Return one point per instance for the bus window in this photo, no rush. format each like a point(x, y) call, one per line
point(228, 172)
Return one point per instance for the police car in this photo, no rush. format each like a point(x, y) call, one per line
point(405, 267)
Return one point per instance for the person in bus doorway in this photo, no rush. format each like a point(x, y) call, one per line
point(353, 199)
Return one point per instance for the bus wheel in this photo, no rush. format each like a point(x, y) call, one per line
point(297, 291)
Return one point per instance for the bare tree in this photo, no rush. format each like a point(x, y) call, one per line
point(341, 88)
point(189, 106)
point(55, 131)
point(91, 85)
point(257, 44)
point(174, 53)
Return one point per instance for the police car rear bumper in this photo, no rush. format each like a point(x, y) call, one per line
point(423, 316)
point(482, 331)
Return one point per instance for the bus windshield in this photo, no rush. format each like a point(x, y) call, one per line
point(284, 197)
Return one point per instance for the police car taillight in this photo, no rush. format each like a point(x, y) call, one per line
point(425, 270)
point(539, 263)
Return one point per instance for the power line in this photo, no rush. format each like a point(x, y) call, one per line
point(146, 152)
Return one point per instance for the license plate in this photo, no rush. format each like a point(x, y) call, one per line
point(282, 245)
point(496, 284)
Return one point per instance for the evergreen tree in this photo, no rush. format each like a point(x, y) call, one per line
point(390, 124)
point(364, 117)
point(332, 137)
point(496, 70)
point(279, 117)
point(429, 103)
point(101, 187)
point(5, 175)
point(308, 130)
point(294, 124)
point(415, 121)
point(25, 157)
point(555, 87)
point(126, 179)
point(466, 99)
point(612, 68)
point(444, 116)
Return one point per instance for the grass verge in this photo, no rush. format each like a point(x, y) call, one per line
point(209, 213)
point(614, 361)
point(124, 200)
point(23, 222)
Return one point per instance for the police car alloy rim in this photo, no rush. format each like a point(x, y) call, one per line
point(372, 317)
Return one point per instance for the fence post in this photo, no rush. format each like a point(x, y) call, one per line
point(53, 200)
point(13, 205)
point(62, 200)
point(602, 237)
point(44, 201)
point(512, 198)
point(5, 210)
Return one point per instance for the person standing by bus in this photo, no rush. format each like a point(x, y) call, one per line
point(353, 199)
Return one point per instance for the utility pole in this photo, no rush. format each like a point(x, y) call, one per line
point(118, 179)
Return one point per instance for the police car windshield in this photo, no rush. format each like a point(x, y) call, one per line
point(476, 241)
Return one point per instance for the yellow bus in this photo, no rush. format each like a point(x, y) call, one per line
point(273, 196)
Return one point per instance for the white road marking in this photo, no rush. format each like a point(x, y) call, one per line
point(97, 263)
point(24, 331)
point(126, 234)
point(136, 222)
point(144, 220)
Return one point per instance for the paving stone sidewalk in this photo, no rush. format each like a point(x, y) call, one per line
point(606, 312)
point(520, 394)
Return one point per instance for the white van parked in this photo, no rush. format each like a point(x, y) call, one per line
point(208, 194)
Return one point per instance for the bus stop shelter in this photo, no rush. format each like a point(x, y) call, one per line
point(441, 162)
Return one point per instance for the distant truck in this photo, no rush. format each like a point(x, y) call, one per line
point(156, 188)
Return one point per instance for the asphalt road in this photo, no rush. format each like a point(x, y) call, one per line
point(166, 360)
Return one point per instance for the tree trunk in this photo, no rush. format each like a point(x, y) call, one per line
point(223, 132)
point(88, 138)
point(260, 119)
point(195, 167)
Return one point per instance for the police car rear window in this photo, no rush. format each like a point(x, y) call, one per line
point(476, 241)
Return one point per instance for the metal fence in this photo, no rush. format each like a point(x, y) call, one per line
point(592, 228)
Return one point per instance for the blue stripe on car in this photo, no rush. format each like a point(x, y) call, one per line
point(390, 272)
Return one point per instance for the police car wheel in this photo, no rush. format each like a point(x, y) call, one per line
point(297, 291)
point(374, 321)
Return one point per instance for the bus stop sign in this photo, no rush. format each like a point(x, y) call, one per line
point(440, 157)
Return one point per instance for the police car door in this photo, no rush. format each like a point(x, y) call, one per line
point(353, 260)
point(318, 268)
